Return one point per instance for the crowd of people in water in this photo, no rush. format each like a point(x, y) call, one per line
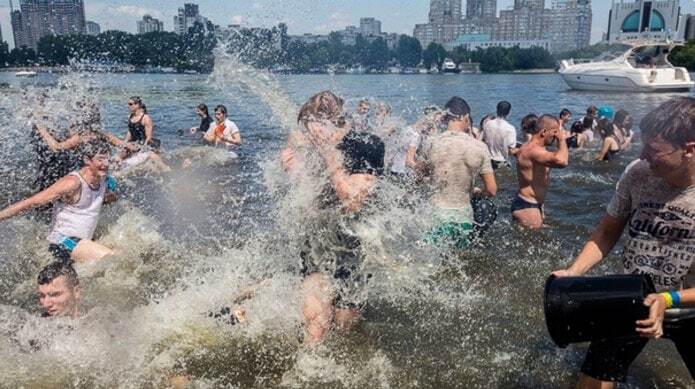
point(443, 151)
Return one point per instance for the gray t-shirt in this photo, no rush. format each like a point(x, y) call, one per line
point(661, 226)
point(457, 159)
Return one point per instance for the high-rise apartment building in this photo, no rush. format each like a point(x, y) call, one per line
point(38, 18)
point(93, 28)
point(690, 27)
point(533, 4)
point(644, 19)
point(370, 27)
point(522, 24)
point(149, 24)
point(445, 11)
point(569, 24)
point(481, 9)
point(187, 17)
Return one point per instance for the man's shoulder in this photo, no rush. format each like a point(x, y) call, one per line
point(637, 169)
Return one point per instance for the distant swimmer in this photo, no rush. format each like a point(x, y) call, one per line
point(534, 162)
point(205, 120)
point(59, 290)
point(77, 199)
point(223, 132)
point(623, 128)
point(577, 138)
point(361, 119)
point(454, 159)
point(610, 144)
point(529, 124)
point(565, 118)
point(407, 142)
point(140, 144)
point(500, 136)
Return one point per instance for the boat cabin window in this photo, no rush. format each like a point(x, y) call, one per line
point(650, 57)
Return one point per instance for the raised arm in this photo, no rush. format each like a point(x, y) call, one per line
point(63, 187)
point(68, 144)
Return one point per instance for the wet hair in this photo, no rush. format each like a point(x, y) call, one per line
point(565, 112)
point(363, 101)
point(58, 269)
point(621, 117)
point(577, 127)
point(137, 100)
point(544, 119)
point(503, 108)
point(672, 121)
point(606, 128)
point(431, 110)
point(95, 147)
point(321, 106)
point(529, 124)
point(221, 108)
point(203, 108)
point(363, 153)
point(592, 110)
point(456, 109)
point(588, 122)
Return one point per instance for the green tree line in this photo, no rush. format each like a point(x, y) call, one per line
point(272, 48)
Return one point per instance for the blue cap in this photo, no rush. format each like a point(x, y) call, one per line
point(606, 112)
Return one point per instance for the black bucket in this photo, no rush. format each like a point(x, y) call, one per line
point(581, 309)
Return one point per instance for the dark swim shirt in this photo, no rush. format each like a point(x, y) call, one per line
point(363, 153)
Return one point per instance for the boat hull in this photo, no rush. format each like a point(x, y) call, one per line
point(613, 83)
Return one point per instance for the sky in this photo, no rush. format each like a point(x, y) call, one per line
point(301, 16)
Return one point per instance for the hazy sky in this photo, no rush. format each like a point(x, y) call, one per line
point(315, 16)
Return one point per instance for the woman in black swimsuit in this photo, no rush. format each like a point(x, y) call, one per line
point(139, 138)
point(610, 146)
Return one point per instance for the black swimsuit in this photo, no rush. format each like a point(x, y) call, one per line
point(137, 130)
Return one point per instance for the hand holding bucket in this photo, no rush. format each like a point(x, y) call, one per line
point(580, 309)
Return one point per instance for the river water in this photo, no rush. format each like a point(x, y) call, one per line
point(191, 239)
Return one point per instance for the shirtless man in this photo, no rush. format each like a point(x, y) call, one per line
point(77, 199)
point(533, 170)
point(59, 290)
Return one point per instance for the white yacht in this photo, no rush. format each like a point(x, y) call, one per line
point(642, 67)
point(25, 73)
point(449, 66)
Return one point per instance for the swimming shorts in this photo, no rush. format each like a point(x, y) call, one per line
point(610, 359)
point(63, 247)
point(455, 228)
point(519, 204)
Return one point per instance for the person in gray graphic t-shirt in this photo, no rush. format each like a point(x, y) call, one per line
point(655, 202)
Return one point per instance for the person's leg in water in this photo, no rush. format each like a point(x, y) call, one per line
point(159, 165)
point(87, 250)
point(317, 308)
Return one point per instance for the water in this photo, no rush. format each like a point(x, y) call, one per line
point(192, 239)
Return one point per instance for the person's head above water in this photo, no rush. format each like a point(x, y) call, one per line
point(457, 111)
point(363, 153)
point(668, 134)
point(363, 107)
point(623, 120)
point(135, 103)
point(382, 110)
point(577, 127)
point(529, 124)
point(503, 109)
point(95, 156)
point(547, 128)
point(322, 107)
point(220, 113)
point(59, 289)
point(565, 114)
point(202, 110)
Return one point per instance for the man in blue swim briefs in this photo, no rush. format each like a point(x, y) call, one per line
point(534, 162)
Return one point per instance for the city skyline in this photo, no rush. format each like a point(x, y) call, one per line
point(395, 16)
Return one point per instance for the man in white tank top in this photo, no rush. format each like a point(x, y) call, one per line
point(77, 200)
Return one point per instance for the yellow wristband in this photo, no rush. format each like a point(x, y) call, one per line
point(669, 300)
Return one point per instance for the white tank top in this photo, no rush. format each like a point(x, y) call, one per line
point(80, 219)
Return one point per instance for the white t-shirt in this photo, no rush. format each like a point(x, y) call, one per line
point(408, 138)
point(230, 128)
point(499, 136)
point(660, 228)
